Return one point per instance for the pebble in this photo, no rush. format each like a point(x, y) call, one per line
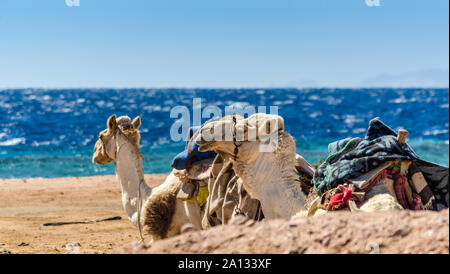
point(429, 233)
point(400, 232)
point(326, 241)
point(292, 224)
point(23, 244)
point(299, 250)
point(250, 222)
point(5, 251)
point(206, 245)
point(238, 220)
point(134, 245)
point(187, 228)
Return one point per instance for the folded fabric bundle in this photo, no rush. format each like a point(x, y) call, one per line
point(190, 155)
point(227, 196)
point(351, 158)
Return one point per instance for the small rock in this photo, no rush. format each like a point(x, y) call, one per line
point(292, 224)
point(206, 246)
point(429, 233)
point(400, 232)
point(326, 241)
point(5, 251)
point(250, 222)
point(23, 244)
point(343, 222)
point(238, 220)
point(187, 228)
point(299, 250)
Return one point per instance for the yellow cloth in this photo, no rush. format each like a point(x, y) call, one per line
point(202, 196)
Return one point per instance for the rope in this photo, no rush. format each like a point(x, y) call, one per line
point(139, 207)
point(236, 145)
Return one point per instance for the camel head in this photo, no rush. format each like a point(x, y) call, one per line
point(118, 129)
point(263, 156)
point(252, 136)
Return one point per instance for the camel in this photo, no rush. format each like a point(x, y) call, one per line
point(158, 209)
point(271, 177)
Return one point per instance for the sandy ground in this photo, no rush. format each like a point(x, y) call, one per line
point(341, 232)
point(26, 204)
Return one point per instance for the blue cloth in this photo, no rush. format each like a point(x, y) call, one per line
point(190, 155)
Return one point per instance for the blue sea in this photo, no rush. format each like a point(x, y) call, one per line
point(52, 132)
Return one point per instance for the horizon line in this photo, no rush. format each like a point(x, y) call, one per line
point(243, 87)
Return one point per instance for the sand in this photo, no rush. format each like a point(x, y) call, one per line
point(343, 232)
point(26, 204)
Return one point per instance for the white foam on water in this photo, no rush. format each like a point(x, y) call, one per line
point(13, 142)
point(435, 132)
point(315, 114)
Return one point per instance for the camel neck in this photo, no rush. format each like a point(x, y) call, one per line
point(275, 184)
point(131, 176)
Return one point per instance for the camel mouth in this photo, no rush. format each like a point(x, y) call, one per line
point(102, 162)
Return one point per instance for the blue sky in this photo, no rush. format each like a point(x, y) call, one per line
point(223, 43)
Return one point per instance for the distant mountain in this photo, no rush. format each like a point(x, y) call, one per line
point(422, 78)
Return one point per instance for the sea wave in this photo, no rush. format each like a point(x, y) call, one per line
point(13, 142)
point(52, 123)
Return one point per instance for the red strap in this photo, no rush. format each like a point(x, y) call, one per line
point(342, 197)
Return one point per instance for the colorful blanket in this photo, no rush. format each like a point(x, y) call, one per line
point(351, 157)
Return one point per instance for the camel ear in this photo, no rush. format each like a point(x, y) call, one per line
point(136, 122)
point(112, 123)
point(270, 126)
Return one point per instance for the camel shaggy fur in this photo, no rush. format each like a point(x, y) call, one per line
point(161, 213)
point(270, 175)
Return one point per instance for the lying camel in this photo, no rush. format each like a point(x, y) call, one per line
point(271, 177)
point(158, 209)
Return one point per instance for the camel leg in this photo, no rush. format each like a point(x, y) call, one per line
point(193, 213)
